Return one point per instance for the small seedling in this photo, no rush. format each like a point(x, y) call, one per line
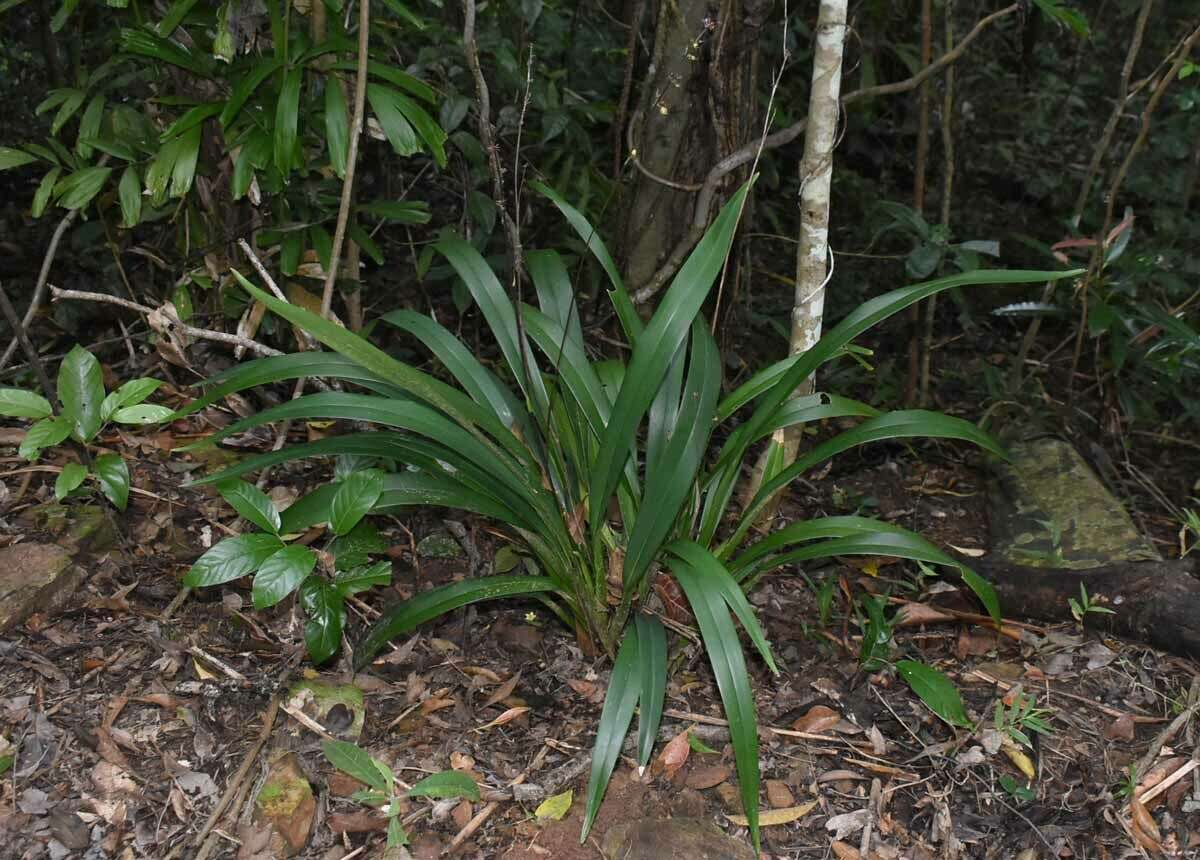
point(384, 791)
point(1020, 718)
point(1190, 520)
point(84, 413)
point(1020, 793)
point(1128, 785)
point(1084, 605)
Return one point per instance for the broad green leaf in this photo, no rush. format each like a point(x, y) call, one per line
point(89, 126)
point(281, 574)
point(191, 118)
point(325, 613)
point(41, 198)
point(67, 109)
point(231, 559)
point(245, 87)
point(130, 192)
point(143, 413)
point(355, 496)
point(337, 126)
point(12, 157)
point(446, 784)
point(77, 190)
point(353, 761)
point(624, 686)
point(358, 579)
point(113, 475)
point(183, 167)
point(733, 681)
point(43, 434)
point(396, 127)
point(438, 601)
point(145, 43)
point(936, 691)
point(356, 547)
point(656, 347)
point(133, 392)
point(393, 75)
point(71, 476)
point(252, 504)
point(652, 657)
point(287, 118)
point(18, 403)
point(81, 390)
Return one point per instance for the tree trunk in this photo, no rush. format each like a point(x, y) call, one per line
point(816, 176)
point(696, 106)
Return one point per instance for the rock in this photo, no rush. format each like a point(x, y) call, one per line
point(33, 577)
point(1049, 509)
point(672, 839)
point(77, 527)
point(286, 802)
point(439, 545)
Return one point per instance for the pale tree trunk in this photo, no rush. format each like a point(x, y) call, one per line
point(816, 176)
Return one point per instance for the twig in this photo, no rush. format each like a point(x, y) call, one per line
point(39, 289)
point(360, 98)
point(191, 331)
point(1169, 731)
point(747, 153)
point(20, 336)
point(238, 778)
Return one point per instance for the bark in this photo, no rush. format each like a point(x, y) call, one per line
point(1155, 602)
point(816, 177)
point(696, 107)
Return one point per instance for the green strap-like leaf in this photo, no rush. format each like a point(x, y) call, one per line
point(556, 297)
point(430, 604)
point(936, 690)
point(655, 349)
point(733, 680)
point(624, 687)
point(668, 486)
point(337, 126)
point(287, 118)
point(652, 655)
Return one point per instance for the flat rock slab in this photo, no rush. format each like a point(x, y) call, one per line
point(1050, 510)
point(32, 577)
point(672, 839)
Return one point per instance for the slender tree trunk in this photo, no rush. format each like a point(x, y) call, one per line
point(922, 159)
point(816, 177)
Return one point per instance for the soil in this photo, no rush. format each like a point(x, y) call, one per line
point(132, 723)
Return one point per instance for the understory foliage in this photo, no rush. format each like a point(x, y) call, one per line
point(599, 472)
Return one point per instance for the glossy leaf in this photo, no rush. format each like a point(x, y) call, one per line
point(325, 613)
point(936, 690)
point(129, 190)
point(655, 349)
point(43, 434)
point(287, 118)
point(113, 474)
point(355, 496)
point(652, 657)
point(367, 576)
point(71, 476)
point(337, 126)
point(733, 681)
point(396, 127)
point(353, 761)
point(422, 607)
point(143, 413)
point(81, 390)
point(624, 686)
point(281, 574)
point(77, 190)
point(446, 784)
point(232, 558)
point(252, 504)
point(18, 403)
point(11, 157)
point(45, 190)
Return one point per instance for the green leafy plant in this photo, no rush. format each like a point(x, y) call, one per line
point(384, 791)
point(323, 579)
point(937, 691)
point(1127, 788)
point(1189, 524)
point(597, 508)
point(85, 411)
point(1018, 719)
point(1018, 792)
point(1084, 605)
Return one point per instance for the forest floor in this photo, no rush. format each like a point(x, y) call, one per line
point(137, 714)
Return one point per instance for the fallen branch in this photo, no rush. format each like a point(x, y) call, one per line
point(39, 290)
point(746, 154)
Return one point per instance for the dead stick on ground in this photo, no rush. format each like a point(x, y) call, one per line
point(234, 784)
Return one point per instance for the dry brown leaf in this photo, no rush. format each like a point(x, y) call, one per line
point(843, 851)
point(675, 753)
point(482, 672)
point(590, 690)
point(817, 719)
point(835, 775)
point(435, 704)
point(503, 692)
point(912, 614)
point(1121, 729)
point(1141, 825)
point(507, 717)
point(1160, 771)
point(779, 796)
point(773, 817)
point(708, 776)
point(356, 822)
